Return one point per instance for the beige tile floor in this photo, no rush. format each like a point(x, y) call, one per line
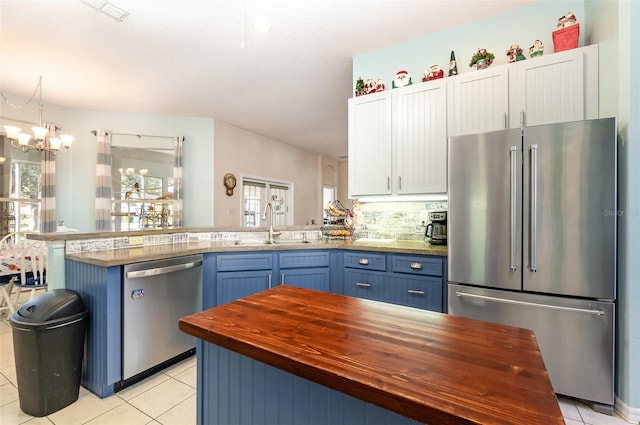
point(167, 398)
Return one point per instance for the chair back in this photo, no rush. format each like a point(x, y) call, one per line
point(16, 240)
point(33, 264)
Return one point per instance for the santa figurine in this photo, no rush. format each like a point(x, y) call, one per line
point(401, 79)
point(433, 73)
point(514, 53)
point(537, 49)
point(379, 85)
point(370, 86)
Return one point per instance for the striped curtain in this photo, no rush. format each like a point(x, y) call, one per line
point(48, 197)
point(178, 218)
point(103, 181)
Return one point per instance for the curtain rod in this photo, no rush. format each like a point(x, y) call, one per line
point(95, 132)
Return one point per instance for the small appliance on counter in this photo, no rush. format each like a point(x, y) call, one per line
point(436, 231)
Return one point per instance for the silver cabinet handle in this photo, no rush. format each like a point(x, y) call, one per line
point(363, 261)
point(281, 278)
point(269, 280)
point(506, 124)
point(388, 182)
point(530, 304)
point(163, 270)
point(399, 182)
point(533, 248)
point(415, 292)
point(513, 213)
point(521, 118)
point(416, 266)
point(363, 285)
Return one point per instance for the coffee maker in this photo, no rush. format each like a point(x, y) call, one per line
point(436, 231)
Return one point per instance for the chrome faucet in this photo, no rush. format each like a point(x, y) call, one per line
point(269, 219)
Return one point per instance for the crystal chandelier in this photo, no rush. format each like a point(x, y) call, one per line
point(44, 136)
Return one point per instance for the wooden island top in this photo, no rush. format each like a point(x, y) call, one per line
point(430, 367)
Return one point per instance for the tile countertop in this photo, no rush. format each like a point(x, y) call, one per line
point(117, 257)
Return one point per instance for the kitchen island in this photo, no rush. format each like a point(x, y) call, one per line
point(293, 355)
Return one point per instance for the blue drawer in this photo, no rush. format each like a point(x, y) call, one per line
point(420, 265)
point(365, 260)
point(237, 262)
point(299, 259)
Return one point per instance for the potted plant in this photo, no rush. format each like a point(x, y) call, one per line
point(482, 59)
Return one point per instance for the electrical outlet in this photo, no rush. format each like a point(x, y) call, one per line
point(136, 240)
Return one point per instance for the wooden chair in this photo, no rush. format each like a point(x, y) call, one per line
point(32, 271)
point(15, 242)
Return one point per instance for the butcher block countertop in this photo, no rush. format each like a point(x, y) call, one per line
point(433, 368)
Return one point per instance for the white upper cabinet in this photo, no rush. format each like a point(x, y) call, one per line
point(421, 138)
point(370, 144)
point(398, 141)
point(398, 138)
point(555, 88)
point(479, 101)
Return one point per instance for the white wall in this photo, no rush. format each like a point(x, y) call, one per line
point(241, 152)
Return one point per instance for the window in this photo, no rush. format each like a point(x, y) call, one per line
point(140, 201)
point(256, 193)
point(25, 185)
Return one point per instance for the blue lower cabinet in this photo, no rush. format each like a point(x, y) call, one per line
point(425, 292)
point(233, 285)
point(305, 269)
point(313, 278)
point(234, 389)
point(410, 280)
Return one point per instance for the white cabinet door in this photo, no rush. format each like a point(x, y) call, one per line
point(555, 88)
point(479, 101)
point(420, 138)
point(370, 144)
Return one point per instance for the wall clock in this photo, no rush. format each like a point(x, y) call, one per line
point(229, 183)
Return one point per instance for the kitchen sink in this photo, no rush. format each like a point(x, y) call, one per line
point(252, 242)
point(291, 242)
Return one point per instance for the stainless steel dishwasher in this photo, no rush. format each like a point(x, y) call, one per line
point(155, 295)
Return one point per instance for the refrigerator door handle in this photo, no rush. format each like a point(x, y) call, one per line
point(530, 304)
point(533, 206)
point(514, 210)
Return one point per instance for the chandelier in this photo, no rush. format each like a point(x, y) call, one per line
point(44, 136)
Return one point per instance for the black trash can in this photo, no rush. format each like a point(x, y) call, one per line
point(48, 343)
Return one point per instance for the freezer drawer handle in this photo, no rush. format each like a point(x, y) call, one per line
point(363, 261)
point(364, 285)
point(415, 292)
point(416, 266)
point(163, 270)
point(530, 304)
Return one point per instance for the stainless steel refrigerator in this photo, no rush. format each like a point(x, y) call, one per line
point(532, 243)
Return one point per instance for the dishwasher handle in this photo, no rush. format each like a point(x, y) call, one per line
point(162, 270)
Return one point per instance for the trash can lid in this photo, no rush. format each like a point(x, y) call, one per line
point(52, 305)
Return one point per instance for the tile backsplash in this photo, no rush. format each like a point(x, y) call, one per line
point(394, 220)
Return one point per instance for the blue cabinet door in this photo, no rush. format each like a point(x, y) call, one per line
point(234, 285)
point(311, 278)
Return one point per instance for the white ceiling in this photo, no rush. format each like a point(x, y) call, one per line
point(185, 58)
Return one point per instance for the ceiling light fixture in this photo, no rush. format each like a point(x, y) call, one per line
point(108, 9)
point(44, 134)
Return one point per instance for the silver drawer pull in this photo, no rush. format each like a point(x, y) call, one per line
point(364, 285)
point(363, 261)
point(416, 266)
point(413, 291)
